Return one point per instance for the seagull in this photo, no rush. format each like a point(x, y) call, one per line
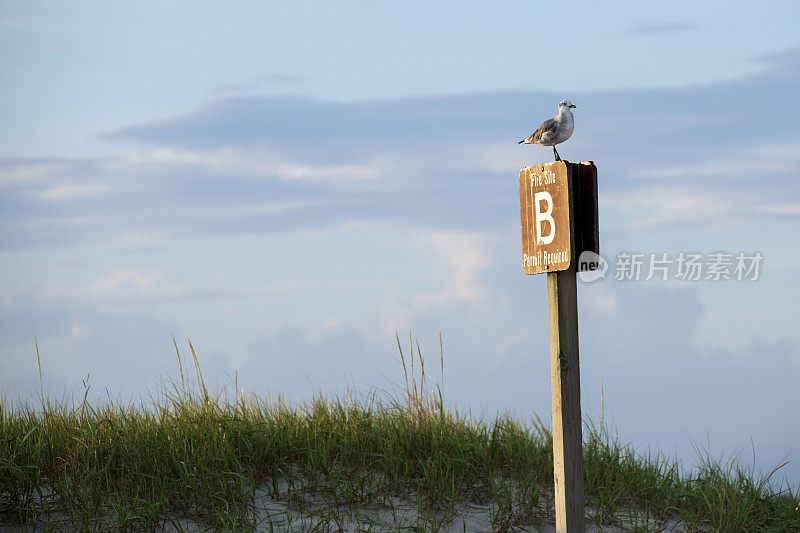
point(555, 130)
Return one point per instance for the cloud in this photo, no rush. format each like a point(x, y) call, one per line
point(26, 172)
point(24, 318)
point(329, 173)
point(70, 191)
point(295, 361)
point(124, 353)
point(259, 162)
point(127, 284)
point(310, 127)
point(670, 206)
point(282, 288)
point(663, 28)
point(748, 160)
point(133, 282)
point(788, 209)
point(664, 390)
point(167, 192)
point(464, 257)
point(250, 164)
point(258, 84)
point(80, 330)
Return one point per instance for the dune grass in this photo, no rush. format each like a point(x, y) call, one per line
point(195, 456)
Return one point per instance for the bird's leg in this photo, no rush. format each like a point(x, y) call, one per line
point(558, 157)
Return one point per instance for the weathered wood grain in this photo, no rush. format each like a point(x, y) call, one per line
point(562, 295)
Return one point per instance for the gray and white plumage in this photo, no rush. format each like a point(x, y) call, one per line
point(555, 130)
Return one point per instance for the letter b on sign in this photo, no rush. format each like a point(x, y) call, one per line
point(544, 215)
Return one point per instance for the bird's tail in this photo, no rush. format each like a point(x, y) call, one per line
point(522, 141)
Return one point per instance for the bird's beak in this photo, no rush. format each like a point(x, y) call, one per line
point(573, 105)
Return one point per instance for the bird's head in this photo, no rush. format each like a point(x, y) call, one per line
point(565, 104)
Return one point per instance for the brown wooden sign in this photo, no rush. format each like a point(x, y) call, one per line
point(545, 218)
point(558, 214)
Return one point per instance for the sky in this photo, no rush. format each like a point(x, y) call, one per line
point(289, 185)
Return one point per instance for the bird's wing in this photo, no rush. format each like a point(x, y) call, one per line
point(547, 126)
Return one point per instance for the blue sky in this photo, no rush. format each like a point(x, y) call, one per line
point(288, 185)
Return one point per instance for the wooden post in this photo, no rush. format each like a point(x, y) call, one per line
point(562, 296)
point(558, 217)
